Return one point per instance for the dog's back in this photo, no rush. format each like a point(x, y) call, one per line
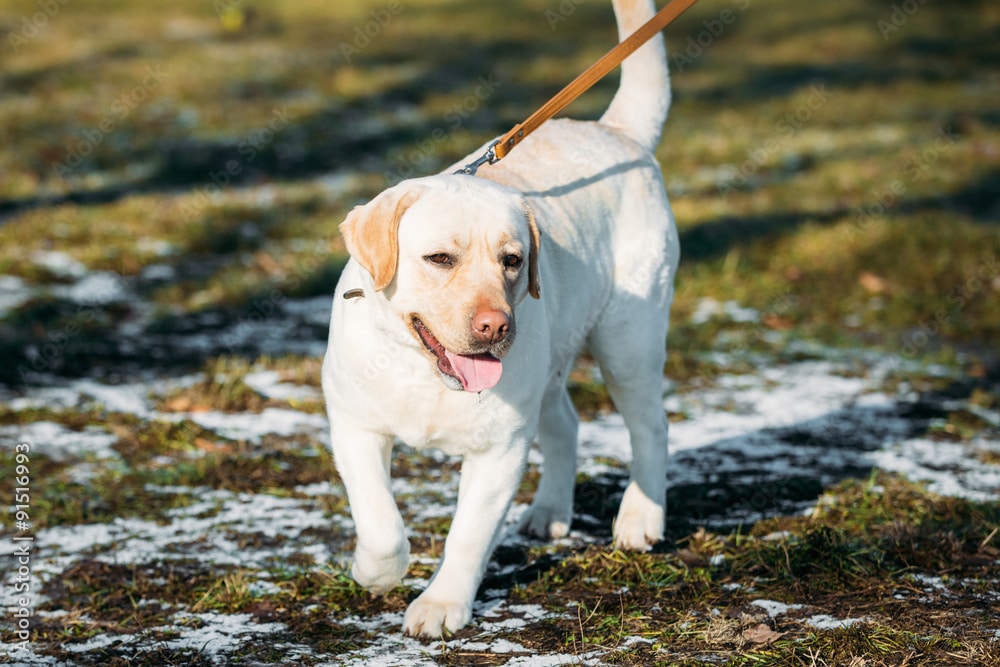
point(610, 254)
point(597, 185)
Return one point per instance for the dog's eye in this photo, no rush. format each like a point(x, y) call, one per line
point(440, 258)
point(512, 261)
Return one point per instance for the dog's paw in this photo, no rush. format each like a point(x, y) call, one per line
point(432, 618)
point(640, 522)
point(380, 574)
point(545, 522)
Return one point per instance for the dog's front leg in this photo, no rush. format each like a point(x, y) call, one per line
point(383, 552)
point(485, 491)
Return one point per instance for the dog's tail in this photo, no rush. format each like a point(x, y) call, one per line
point(640, 106)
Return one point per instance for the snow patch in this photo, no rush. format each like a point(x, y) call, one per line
point(252, 427)
point(97, 288)
point(60, 443)
point(212, 527)
point(269, 384)
point(948, 467)
point(217, 634)
point(774, 608)
point(59, 264)
point(13, 293)
point(709, 308)
point(827, 622)
point(125, 398)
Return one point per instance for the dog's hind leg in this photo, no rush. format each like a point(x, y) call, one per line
point(630, 348)
point(551, 512)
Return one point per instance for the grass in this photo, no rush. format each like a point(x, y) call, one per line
point(155, 454)
point(866, 552)
point(799, 192)
point(855, 556)
point(839, 180)
point(222, 389)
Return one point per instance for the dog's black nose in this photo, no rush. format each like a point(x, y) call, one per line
point(491, 326)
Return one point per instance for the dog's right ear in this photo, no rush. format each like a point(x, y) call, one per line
point(536, 241)
point(371, 232)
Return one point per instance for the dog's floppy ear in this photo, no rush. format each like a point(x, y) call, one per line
point(536, 242)
point(371, 232)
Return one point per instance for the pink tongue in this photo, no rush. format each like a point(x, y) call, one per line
point(478, 372)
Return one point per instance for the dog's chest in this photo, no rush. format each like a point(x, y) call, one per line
point(408, 400)
point(442, 422)
point(424, 415)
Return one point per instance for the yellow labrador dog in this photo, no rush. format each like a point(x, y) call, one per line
point(462, 310)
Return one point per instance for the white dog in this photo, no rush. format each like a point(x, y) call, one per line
point(462, 310)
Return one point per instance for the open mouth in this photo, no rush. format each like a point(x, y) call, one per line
point(475, 372)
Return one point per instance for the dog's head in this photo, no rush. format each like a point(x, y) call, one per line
point(452, 256)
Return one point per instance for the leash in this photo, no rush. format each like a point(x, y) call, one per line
point(499, 149)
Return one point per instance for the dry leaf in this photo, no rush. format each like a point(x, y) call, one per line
point(777, 322)
point(873, 283)
point(206, 445)
point(691, 558)
point(266, 262)
point(179, 404)
point(761, 634)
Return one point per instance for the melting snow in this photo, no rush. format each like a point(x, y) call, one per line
point(218, 634)
point(97, 288)
point(827, 622)
point(59, 264)
point(774, 608)
point(211, 528)
point(13, 293)
point(129, 398)
point(269, 384)
point(951, 468)
point(806, 419)
point(708, 308)
point(60, 443)
point(253, 427)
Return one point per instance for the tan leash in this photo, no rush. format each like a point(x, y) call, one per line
point(610, 60)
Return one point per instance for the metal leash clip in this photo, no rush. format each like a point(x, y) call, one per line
point(489, 156)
